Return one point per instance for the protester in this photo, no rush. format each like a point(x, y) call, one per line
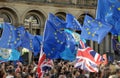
point(61, 69)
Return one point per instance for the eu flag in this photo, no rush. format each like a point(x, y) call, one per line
point(36, 42)
point(72, 22)
point(54, 40)
point(67, 54)
point(29, 41)
point(10, 37)
point(70, 48)
point(94, 30)
point(57, 21)
point(109, 11)
point(26, 40)
point(70, 41)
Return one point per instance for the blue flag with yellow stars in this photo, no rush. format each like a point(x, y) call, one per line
point(70, 41)
point(69, 53)
point(72, 22)
point(57, 21)
point(29, 41)
point(94, 30)
point(109, 11)
point(36, 42)
point(10, 37)
point(54, 40)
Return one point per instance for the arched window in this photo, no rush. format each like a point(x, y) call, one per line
point(9, 16)
point(61, 15)
point(34, 22)
point(33, 19)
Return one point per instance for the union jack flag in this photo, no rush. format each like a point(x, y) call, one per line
point(87, 58)
point(42, 63)
point(90, 53)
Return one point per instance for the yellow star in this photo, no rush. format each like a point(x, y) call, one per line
point(19, 34)
point(55, 37)
point(87, 29)
point(11, 29)
point(58, 41)
point(111, 8)
point(61, 32)
point(32, 48)
point(55, 33)
point(14, 28)
point(89, 32)
point(8, 44)
point(99, 23)
point(106, 14)
point(88, 21)
point(97, 28)
point(119, 8)
point(8, 40)
point(15, 42)
point(10, 37)
point(18, 38)
point(51, 51)
point(61, 42)
point(93, 35)
point(93, 20)
point(48, 54)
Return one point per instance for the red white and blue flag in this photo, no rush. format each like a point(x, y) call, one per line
point(42, 63)
point(87, 58)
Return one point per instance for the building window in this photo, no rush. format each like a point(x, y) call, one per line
point(6, 17)
point(61, 15)
point(35, 21)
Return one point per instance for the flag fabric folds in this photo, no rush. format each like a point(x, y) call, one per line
point(36, 42)
point(86, 64)
point(67, 54)
point(57, 21)
point(87, 59)
point(10, 37)
point(15, 55)
point(71, 44)
point(94, 30)
point(54, 40)
point(72, 22)
point(109, 11)
point(31, 42)
point(97, 58)
point(9, 54)
point(42, 63)
point(26, 40)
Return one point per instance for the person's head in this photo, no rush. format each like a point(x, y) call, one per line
point(77, 73)
point(118, 72)
point(18, 75)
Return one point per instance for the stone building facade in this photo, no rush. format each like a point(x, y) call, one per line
point(33, 13)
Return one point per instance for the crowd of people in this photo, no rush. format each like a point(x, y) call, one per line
point(61, 69)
